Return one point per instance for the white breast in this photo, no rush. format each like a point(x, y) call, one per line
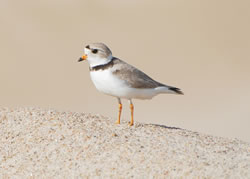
point(106, 82)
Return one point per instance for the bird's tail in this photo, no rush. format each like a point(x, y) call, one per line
point(169, 89)
point(175, 90)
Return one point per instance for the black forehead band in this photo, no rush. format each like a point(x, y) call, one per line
point(88, 47)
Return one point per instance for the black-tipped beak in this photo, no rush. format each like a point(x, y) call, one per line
point(84, 57)
point(80, 59)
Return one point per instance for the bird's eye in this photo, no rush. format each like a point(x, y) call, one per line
point(87, 47)
point(94, 51)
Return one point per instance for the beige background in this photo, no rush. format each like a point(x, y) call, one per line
point(202, 47)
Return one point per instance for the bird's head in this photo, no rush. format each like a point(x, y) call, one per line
point(96, 54)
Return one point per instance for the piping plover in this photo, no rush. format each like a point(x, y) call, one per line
point(115, 77)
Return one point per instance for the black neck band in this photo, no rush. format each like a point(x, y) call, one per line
point(104, 66)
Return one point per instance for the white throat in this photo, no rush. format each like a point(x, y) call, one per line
point(96, 61)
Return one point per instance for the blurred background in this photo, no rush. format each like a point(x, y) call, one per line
point(202, 47)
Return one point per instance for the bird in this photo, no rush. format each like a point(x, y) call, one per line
point(116, 78)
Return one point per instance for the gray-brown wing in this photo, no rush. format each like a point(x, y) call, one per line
point(133, 77)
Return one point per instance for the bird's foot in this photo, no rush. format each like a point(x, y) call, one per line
point(130, 123)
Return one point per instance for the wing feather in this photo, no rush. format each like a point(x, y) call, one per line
point(132, 76)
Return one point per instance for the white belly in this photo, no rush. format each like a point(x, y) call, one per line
point(109, 84)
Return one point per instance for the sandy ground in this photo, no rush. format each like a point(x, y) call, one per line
point(39, 143)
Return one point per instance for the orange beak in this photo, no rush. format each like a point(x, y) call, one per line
point(84, 57)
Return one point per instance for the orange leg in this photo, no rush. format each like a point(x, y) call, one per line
point(120, 112)
point(132, 113)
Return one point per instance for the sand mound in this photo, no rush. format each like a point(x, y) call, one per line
point(49, 143)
